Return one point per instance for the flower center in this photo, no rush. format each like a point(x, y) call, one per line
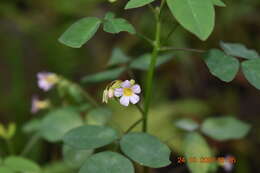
point(51, 79)
point(42, 104)
point(128, 92)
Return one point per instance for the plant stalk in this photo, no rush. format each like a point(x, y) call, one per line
point(150, 74)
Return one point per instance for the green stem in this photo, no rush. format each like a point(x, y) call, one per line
point(181, 49)
point(134, 125)
point(170, 33)
point(34, 139)
point(150, 74)
point(144, 37)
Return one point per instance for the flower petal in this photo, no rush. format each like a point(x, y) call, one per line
point(124, 100)
point(134, 99)
point(34, 108)
point(118, 92)
point(136, 88)
point(44, 85)
point(126, 84)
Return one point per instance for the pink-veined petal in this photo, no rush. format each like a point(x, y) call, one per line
point(134, 99)
point(124, 100)
point(126, 84)
point(118, 92)
point(136, 88)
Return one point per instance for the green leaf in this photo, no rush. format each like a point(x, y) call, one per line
point(186, 124)
point(116, 25)
point(143, 62)
point(219, 3)
point(195, 146)
point(32, 126)
point(225, 128)
point(90, 137)
point(4, 169)
point(104, 76)
point(21, 164)
point(197, 16)
point(99, 116)
point(145, 149)
point(58, 122)
point(57, 167)
point(118, 57)
point(137, 3)
point(221, 65)
point(239, 50)
point(251, 70)
point(80, 32)
point(108, 162)
point(75, 158)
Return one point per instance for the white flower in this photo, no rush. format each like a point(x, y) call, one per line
point(39, 104)
point(47, 80)
point(128, 92)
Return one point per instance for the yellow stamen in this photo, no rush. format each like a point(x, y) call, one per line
point(52, 78)
point(127, 92)
point(42, 104)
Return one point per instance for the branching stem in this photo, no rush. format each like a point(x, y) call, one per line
point(181, 49)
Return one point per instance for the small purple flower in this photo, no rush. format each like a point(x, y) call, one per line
point(128, 92)
point(38, 104)
point(46, 80)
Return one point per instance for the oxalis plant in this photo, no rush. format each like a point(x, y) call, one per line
point(94, 144)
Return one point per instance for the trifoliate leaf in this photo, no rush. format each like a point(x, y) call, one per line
point(221, 65)
point(116, 25)
point(80, 32)
point(251, 70)
point(239, 50)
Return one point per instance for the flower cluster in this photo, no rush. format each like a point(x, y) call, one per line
point(126, 90)
point(46, 81)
